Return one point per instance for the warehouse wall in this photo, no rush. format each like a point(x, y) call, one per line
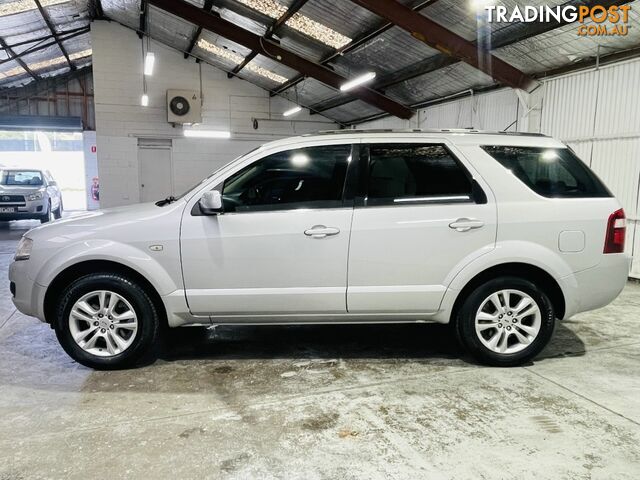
point(229, 104)
point(67, 95)
point(595, 112)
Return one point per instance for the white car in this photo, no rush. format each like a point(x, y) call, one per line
point(498, 234)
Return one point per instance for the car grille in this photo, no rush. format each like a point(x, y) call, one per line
point(12, 200)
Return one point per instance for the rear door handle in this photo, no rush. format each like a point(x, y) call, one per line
point(320, 231)
point(466, 224)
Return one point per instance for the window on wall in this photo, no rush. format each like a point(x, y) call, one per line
point(310, 177)
point(550, 172)
point(405, 173)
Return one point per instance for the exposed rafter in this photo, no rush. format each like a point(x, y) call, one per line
point(440, 38)
point(41, 46)
point(52, 28)
point(208, 5)
point(144, 12)
point(504, 37)
point(271, 49)
point(95, 7)
point(357, 42)
point(13, 56)
point(271, 31)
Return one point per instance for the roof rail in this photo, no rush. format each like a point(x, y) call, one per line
point(419, 130)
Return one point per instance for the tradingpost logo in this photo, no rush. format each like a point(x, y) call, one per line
point(596, 20)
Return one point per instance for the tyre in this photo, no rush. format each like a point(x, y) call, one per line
point(505, 322)
point(48, 216)
point(57, 213)
point(107, 321)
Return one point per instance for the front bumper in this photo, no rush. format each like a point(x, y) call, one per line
point(27, 295)
point(25, 210)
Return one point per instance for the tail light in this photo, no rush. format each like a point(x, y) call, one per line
point(616, 231)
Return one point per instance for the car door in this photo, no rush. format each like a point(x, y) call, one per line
point(421, 215)
point(281, 245)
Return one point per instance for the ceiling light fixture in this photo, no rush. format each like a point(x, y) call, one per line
point(144, 100)
point(207, 133)
point(291, 111)
point(149, 61)
point(351, 84)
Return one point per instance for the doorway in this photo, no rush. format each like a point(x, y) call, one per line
point(155, 169)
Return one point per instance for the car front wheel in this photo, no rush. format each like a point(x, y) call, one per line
point(506, 322)
point(57, 214)
point(107, 321)
point(48, 215)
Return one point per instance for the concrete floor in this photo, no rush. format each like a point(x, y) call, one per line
point(344, 402)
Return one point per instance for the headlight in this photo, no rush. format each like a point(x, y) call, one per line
point(24, 249)
point(36, 196)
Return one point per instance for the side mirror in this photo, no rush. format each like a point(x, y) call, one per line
point(211, 202)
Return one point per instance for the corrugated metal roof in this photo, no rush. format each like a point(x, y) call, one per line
point(357, 109)
point(563, 46)
point(170, 29)
point(374, 55)
point(392, 51)
point(440, 83)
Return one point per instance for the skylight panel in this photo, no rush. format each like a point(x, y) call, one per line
point(19, 6)
point(237, 59)
point(299, 22)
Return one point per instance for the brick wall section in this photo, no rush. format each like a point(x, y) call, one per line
point(229, 104)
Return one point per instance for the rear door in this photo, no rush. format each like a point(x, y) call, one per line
point(420, 217)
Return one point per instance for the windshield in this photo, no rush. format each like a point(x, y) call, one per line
point(21, 177)
point(203, 181)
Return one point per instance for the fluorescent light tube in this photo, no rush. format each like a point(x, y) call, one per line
point(207, 134)
point(144, 100)
point(149, 61)
point(351, 84)
point(291, 111)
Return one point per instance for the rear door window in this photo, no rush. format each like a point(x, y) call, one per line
point(554, 173)
point(413, 173)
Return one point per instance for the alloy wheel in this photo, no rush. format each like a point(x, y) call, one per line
point(508, 321)
point(103, 323)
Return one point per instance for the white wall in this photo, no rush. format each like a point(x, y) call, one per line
point(596, 112)
point(229, 104)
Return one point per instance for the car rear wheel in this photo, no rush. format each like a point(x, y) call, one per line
point(107, 321)
point(506, 321)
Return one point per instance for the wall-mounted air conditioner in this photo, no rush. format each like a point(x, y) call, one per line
point(184, 107)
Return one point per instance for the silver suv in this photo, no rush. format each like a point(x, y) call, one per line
point(29, 194)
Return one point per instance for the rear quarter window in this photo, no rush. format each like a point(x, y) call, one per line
point(553, 173)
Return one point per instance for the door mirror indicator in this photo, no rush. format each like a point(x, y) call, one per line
point(211, 203)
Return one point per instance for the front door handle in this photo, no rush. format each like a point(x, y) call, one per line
point(466, 224)
point(320, 231)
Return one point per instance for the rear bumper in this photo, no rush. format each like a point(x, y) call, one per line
point(596, 287)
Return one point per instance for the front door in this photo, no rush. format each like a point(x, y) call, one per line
point(421, 218)
point(281, 245)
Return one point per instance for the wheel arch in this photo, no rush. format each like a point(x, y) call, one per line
point(80, 269)
point(537, 275)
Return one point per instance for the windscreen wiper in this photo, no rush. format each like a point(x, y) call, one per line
point(166, 201)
